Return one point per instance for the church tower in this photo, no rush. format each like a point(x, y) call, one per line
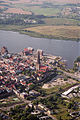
point(38, 61)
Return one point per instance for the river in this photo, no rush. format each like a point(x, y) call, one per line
point(16, 42)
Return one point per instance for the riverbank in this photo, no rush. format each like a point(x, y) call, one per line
point(38, 35)
point(50, 32)
point(65, 48)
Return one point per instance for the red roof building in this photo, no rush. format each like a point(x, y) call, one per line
point(43, 68)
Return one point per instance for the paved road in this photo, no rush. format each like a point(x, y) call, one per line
point(50, 116)
point(72, 75)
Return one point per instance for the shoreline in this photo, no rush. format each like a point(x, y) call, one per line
point(38, 35)
point(69, 64)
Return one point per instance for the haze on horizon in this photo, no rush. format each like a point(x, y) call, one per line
point(39, 1)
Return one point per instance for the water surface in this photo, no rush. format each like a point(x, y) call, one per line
point(16, 42)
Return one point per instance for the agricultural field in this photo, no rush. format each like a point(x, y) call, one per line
point(67, 1)
point(45, 7)
point(41, 1)
point(58, 19)
point(17, 11)
point(61, 32)
point(37, 10)
point(61, 21)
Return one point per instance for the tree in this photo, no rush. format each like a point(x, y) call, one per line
point(60, 89)
point(59, 118)
point(78, 59)
point(71, 105)
point(1, 118)
point(65, 79)
point(23, 118)
point(75, 68)
point(32, 117)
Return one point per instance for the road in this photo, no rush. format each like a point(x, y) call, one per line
point(72, 75)
point(11, 106)
point(23, 101)
point(50, 116)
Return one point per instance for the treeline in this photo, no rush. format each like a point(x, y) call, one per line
point(17, 19)
point(78, 59)
point(22, 113)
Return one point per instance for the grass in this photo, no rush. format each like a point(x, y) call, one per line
point(51, 90)
point(9, 101)
point(43, 11)
point(77, 99)
point(61, 21)
point(14, 27)
point(59, 32)
point(62, 109)
point(63, 113)
point(11, 27)
point(56, 88)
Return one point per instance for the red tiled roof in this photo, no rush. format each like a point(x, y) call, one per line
point(43, 67)
point(25, 49)
point(29, 84)
point(42, 71)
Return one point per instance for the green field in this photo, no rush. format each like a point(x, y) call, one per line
point(43, 11)
point(51, 20)
point(61, 21)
